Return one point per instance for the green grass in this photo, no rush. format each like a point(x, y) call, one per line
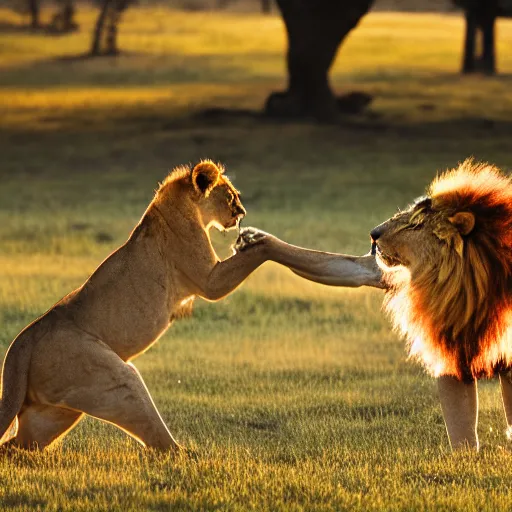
point(293, 396)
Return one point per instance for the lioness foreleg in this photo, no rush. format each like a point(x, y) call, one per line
point(40, 425)
point(227, 275)
point(318, 266)
point(459, 403)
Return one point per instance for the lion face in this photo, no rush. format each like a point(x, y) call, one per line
point(408, 238)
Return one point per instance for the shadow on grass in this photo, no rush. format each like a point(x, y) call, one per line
point(132, 69)
point(429, 79)
point(88, 56)
point(27, 29)
point(165, 119)
point(11, 28)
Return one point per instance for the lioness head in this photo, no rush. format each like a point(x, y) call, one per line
point(447, 260)
point(217, 199)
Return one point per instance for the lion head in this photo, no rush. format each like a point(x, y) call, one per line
point(447, 260)
point(209, 191)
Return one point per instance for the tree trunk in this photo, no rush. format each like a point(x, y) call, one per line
point(114, 16)
point(488, 60)
point(480, 17)
point(107, 27)
point(68, 16)
point(315, 30)
point(98, 29)
point(468, 63)
point(64, 20)
point(33, 6)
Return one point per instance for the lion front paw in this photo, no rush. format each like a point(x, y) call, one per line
point(248, 237)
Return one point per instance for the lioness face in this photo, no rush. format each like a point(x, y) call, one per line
point(408, 237)
point(223, 207)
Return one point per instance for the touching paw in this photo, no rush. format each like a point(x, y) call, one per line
point(248, 237)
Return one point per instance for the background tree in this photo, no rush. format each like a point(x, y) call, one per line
point(34, 9)
point(104, 41)
point(64, 19)
point(481, 18)
point(315, 30)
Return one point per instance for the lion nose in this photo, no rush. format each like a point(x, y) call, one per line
point(240, 210)
point(377, 232)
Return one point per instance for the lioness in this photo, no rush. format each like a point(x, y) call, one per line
point(75, 358)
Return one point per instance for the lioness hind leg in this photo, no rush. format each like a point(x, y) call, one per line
point(40, 425)
point(119, 396)
point(459, 403)
point(10, 433)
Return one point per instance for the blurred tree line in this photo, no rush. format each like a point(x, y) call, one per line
point(104, 39)
point(315, 30)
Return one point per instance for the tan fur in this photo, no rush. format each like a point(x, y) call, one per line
point(447, 261)
point(75, 359)
point(327, 268)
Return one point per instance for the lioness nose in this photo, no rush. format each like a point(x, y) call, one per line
point(240, 210)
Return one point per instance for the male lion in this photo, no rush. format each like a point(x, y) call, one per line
point(447, 262)
point(75, 358)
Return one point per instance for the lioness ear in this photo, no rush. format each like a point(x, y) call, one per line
point(463, 221)
point(205, 176)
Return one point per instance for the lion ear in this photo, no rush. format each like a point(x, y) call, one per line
point(205, 176)
point(464, 222)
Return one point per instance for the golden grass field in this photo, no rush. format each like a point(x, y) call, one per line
point(293, 396)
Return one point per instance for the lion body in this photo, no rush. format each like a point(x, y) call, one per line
point(454, 302)
point(447, 262)
point(75, 358)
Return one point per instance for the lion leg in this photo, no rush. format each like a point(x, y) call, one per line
point(40, 425)
point(459, 403)
point(506, 395)
point(120, 396)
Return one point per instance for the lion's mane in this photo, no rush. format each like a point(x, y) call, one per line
point(457, 312)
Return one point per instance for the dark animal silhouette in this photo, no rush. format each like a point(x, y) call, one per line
point(481, 17)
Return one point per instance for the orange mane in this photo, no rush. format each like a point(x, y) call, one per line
point(457, 312)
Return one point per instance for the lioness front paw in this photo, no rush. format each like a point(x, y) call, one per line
point(248, 237)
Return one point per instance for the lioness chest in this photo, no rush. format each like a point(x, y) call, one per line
point(129, 301)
